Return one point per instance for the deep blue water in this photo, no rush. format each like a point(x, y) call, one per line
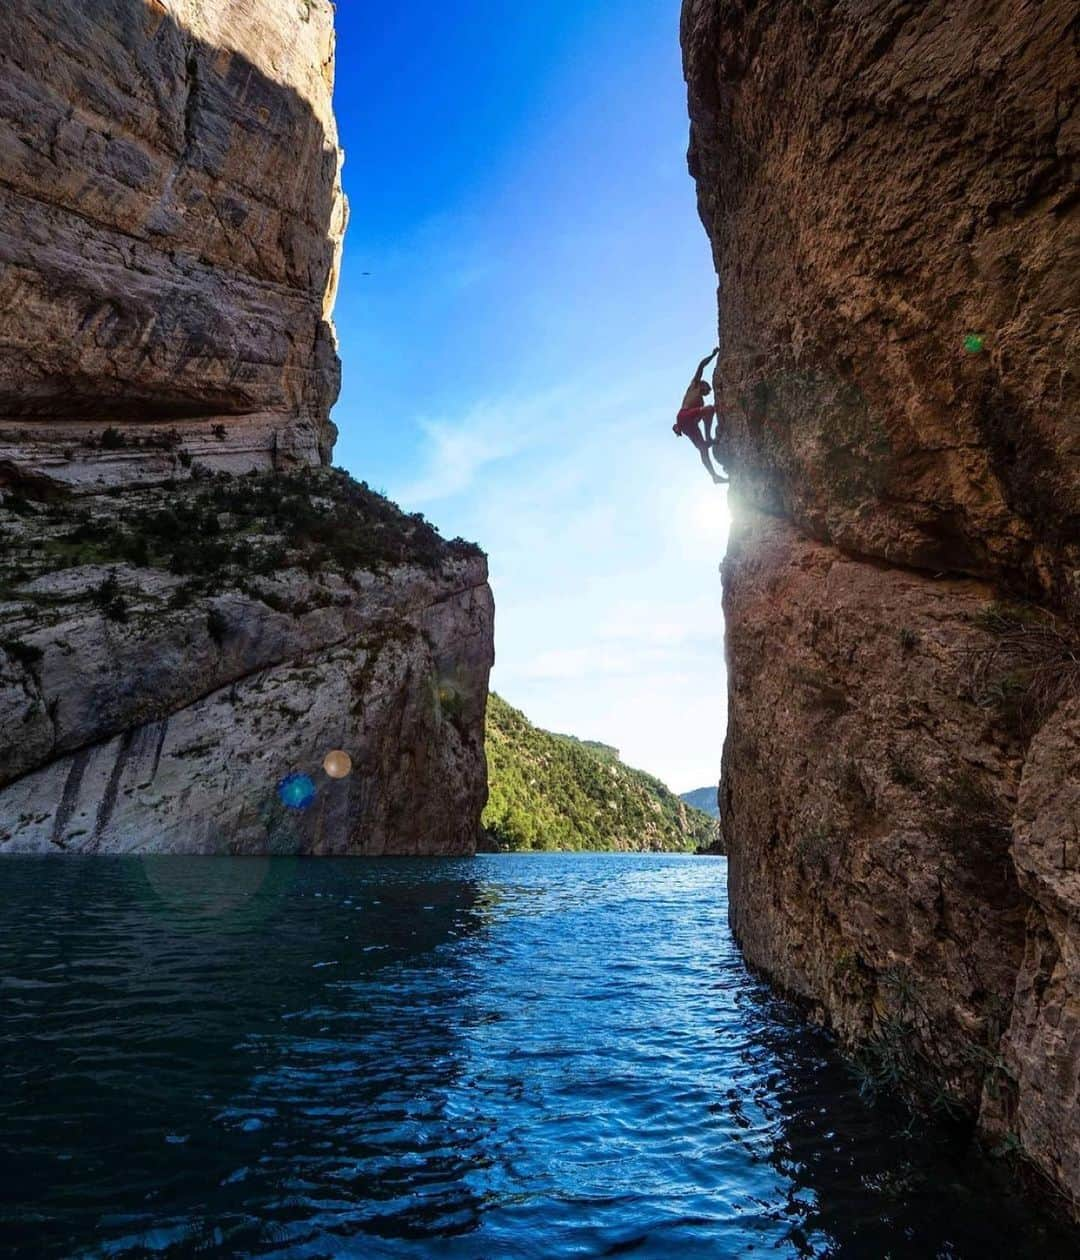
point(514, 1056)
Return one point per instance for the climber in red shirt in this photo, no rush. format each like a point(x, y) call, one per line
point(694, 411)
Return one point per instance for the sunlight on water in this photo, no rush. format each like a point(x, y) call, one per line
point(537, 1057)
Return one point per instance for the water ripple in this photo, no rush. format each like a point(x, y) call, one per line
point(513, 1057)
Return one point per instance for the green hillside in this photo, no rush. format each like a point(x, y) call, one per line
point(703, 799)
point(556, 792)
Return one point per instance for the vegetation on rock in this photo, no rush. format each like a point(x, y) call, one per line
point(1031, 665)
point(554, 792)
point(221, 530)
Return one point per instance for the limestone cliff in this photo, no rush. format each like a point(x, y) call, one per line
point(169, 655)
point(191, 609)
point(890, 190)
point(170, 222)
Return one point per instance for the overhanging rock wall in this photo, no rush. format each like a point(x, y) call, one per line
point(890, 190)
point(170, 224)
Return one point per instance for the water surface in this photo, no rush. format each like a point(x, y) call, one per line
point(539, 1056)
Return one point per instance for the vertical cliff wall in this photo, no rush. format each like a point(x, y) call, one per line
point(892, 198)
point(192, 610)
point(170, 222)
point(159, 705)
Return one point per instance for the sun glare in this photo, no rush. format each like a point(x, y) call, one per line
point(707, 507)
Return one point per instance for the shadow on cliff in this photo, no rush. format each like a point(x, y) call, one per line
point(166, 213)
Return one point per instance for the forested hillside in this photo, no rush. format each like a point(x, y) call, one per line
point(556, 792)
point(703, 799)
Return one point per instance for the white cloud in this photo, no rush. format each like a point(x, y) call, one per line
point(604, 537)
point(458, 450)
point(456, 454)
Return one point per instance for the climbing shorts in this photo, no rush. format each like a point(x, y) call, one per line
point(688, 418)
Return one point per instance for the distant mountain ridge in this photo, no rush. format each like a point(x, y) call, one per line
point(605, 750)
point(704, 799)
point(557, 792)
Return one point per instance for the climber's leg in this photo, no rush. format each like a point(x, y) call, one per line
point(702, 446)
point(718, 479)
point(714, 439)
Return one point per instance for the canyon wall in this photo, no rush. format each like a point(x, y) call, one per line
point(193, 610)
point(891, 193)
point(171, 220)
point(158, 705)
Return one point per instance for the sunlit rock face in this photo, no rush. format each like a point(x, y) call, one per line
point(148, 711)
point(170, 223)
point(194, 613)
point(890, 193)
point(197, 647)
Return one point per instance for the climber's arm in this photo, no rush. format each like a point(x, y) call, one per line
point(704, 364)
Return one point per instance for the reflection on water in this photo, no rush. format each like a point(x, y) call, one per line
point(514, 1056)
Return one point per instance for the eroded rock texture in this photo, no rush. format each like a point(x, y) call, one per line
point(170, 221)
point(168, 657)
point(890, 189)
point(190, 609)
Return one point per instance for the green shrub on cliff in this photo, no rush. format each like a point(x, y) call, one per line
point(315, 519)
point(553, 792)
point(25, 653)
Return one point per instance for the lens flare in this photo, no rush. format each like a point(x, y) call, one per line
point(338, 764)
point(296, 791)
point(974, 344)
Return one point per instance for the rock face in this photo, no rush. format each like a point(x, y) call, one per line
point(890, 192)
point(1042, 1047)
point(191, 610)
point(157, 707)
point(170, 223)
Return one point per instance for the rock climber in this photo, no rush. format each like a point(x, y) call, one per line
point(695, 411)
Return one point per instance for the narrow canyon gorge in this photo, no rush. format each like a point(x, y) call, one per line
point(891, 194)
point(196, 608)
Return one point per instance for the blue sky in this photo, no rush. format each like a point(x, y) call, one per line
point(525, 293)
